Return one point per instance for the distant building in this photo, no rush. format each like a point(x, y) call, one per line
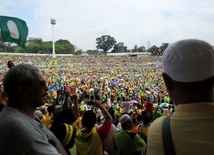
point(120, 47)
point(156, 50)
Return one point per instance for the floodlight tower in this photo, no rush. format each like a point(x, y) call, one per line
point(53, 22)
point(148, 46)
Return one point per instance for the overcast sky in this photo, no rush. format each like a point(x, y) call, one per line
point(134, 22)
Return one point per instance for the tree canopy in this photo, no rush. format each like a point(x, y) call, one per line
point(105, 42)
point(62, 46)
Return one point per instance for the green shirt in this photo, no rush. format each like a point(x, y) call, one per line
point(156, 115)
point(129, 143)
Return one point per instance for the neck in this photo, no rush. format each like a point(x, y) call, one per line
point(184, 97)
point(28, 111)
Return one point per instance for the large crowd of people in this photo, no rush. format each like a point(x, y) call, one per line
point(92, 104)
point(122, 75)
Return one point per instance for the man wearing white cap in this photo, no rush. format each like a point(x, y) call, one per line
point(128, 143)
point(189, 77)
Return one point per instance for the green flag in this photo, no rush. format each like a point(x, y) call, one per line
point(13, 30)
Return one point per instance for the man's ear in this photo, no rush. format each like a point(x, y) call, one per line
point(168, 81)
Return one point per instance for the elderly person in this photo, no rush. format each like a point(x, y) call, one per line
point(128, 143)
point(189, 77)
point(21, 131)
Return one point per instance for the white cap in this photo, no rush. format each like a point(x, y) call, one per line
point(38, 113)
point(189, 61)
point(124, 118)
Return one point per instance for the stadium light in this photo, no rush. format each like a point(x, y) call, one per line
point(53, 22)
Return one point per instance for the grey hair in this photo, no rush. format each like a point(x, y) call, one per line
point(21, 74)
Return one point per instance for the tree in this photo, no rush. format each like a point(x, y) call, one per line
point(33, 48)
point(164, 46)
point(5, 46)
point(47, 47)
point(141, 49)
point(125, 49)
point(38, 46)
point(62, 41)
point(105, 42)
point(64, 47)
point(38, 42)
point(1, 46)
point(135, 48)
point(20, 50)
point(79, 52)
point(92, 52)
point(115, 49)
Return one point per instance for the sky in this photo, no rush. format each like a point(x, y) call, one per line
point(133, 22)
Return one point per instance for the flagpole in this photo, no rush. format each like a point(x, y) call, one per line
point(53, 22)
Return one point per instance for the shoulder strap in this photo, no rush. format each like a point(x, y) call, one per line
point(167, 137)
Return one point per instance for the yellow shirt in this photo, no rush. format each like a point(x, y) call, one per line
point(88, 143)
point(47, 120)
point(82, 108)
point(191, 128)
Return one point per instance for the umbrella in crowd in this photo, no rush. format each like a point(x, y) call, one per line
point(113, 83)
point(163, 105)
point(134, 102)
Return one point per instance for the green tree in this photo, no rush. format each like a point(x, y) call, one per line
point(115, 49)
point(20, 50)
point(135, 48)
point(62, 41)
point(79, 52)
point(37, 45)
point(125, 49)
point(33, 48)
point(1, 46)
point(105, 42)
point(47, 47)
point(38, 42)
point(7, 47)
point(92, 52)
point(141, 49)
point(164, 46)
point(64, 47)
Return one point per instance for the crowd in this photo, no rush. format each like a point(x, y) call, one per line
point(92, 104)
point(137, 77)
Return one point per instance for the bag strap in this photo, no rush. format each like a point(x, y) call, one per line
point(167, 137)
